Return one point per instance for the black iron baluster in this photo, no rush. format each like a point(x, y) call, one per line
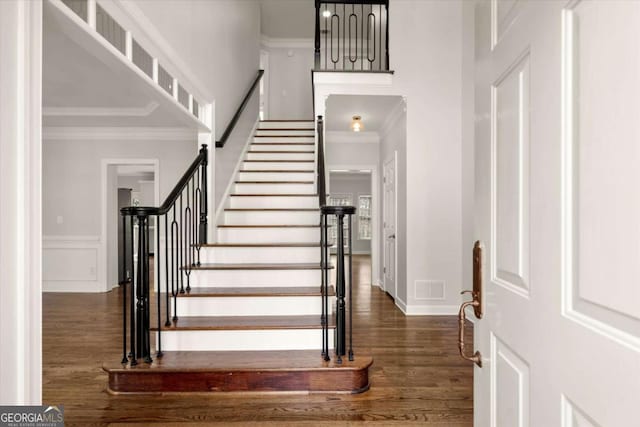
point(325, 273)
point(187, 241)
point(167, 306)
point(362, 37)
point(371, 24)
point(194, 221)
point(386, 39)
point(340, 291)
point(323, 295)
point(124, 291)
point(344, 36)
point(326, 57)
point(180, 244)
point(158, 284)
point(316, 52)
point(337, 19)
point(132, 314)
point(353, 61)
point(146, 291)
point(350, 292)
point(198, 238)
point(204, 208)
point(175, 260)
point(139, 294)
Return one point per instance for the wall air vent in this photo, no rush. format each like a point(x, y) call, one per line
point(183, 97)
point(196, 109)
point(165, 80)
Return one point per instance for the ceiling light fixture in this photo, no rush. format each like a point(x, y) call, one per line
point(356, 124)
point(326, 13)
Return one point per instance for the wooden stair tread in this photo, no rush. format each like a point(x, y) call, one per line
point(262, 245)
point(279, 152)
point(274, 195)
point(198, 361)
point(273, 209)
point(287, 129)
point(240, 323)
point(276, 171)
point(241, 371)
point(269, 225)
point(257, 266)
point(274, 182)
point(283, 136)
point(261, 291)
point(281, 161)
point(283, 143)
point(284, 120)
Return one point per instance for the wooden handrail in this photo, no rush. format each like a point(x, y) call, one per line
point(234, 120)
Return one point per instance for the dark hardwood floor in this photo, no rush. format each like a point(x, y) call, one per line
point(417, 375)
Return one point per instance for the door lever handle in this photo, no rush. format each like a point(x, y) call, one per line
point(476, 303)
point(462, 318)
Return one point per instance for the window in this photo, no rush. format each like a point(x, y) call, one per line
point(364, 217)
point(339, 200)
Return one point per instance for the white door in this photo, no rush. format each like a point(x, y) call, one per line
point(389, 226)
point(558, 210)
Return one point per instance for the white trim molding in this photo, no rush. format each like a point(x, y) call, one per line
point(144, 111)
point(426, 310)
point(55, 133)
point(21, 202)
point(71, 264)
point(346, 137)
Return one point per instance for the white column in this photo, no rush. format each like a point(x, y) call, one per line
point(20, 202)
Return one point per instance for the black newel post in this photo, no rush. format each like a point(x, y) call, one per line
point(340, 291)
point(204, 196)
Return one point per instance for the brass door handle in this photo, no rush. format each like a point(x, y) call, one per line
point(462, 318)
point(476, 303)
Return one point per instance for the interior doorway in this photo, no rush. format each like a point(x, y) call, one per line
point(356, 187)
point(389, 225)
point(125, 182)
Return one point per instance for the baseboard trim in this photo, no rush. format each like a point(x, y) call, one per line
point(426, 310)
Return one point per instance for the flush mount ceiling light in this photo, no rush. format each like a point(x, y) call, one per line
point(356, 124)
point(326, 13)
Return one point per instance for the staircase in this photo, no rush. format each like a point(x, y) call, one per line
point(250, 319)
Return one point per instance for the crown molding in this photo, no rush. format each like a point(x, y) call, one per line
point(349, 137)
point(101, 111)
point(54, 133)
point(302, 43)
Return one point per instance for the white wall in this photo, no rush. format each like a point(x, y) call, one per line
point(426, 55)
point(218, 40)
point(72, 189)
point(289, 74)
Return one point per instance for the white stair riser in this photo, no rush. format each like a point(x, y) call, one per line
point(279, 156)
point(286, 139)
point(269, 235)
point(272, 217)
point(275, 166)
point(248, 278)
point(282, 202)
point(260, 255)
point(285, 188)
point(250, 306)
point(275, 176)
point(283, 147)
point(287, 125)
point(280, 132)
point(244, 340)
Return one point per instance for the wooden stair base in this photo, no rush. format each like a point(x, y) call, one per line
point(241, 371)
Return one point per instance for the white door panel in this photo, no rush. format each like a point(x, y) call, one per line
point(557, 146)
point(389, 225)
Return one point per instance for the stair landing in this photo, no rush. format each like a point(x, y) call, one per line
point(241, 371)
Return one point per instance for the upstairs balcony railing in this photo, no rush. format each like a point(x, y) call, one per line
point(352, 35)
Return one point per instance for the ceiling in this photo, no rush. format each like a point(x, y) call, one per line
point(287, 19)
point(84, 84)
point(373, 109)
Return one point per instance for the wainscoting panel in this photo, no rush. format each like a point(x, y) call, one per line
point(71, 264)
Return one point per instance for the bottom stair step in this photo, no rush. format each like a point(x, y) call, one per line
point(263, 371)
